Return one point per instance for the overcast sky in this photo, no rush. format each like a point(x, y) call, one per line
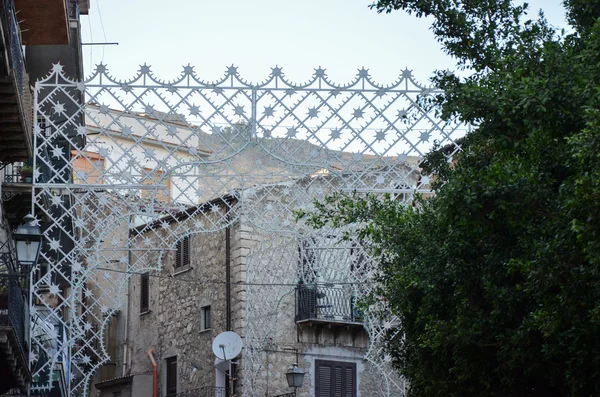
point(255, 35)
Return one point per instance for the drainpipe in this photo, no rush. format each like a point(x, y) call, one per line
point(154, 373)
point(228, 272)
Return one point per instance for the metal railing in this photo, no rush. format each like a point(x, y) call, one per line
point(204, 391)
point(326, 302)
point(12, 172)
point(15, 44)
point(12, 306)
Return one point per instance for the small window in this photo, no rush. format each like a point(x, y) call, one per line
point(171, 376)
point(145, 293)
point(182, 257)
point(205, 318)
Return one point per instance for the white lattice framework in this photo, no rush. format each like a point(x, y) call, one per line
point(145, 148)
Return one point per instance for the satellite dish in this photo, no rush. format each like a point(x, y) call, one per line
point(227, 345)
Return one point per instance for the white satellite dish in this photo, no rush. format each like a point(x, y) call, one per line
point(227, 345)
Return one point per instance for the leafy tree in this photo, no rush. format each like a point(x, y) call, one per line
point(496, 279)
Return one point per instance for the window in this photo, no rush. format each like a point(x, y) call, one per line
point(156, 177)
point(171, 376)
point(205, 318)
point(182, 257)
point(145, 293)
point(334, 378)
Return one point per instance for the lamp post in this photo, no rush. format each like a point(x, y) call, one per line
point(295, 377)
point(28, 239)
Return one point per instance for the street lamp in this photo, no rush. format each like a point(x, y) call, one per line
point(28, 238)
point(295, 377)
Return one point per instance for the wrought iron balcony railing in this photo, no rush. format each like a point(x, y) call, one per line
point(326, 303)
point(12, 306)
point(205, 391)
point(15, 44)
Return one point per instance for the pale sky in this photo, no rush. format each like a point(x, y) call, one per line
point(255, 35)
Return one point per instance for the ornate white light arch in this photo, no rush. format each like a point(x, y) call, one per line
point(151, 148)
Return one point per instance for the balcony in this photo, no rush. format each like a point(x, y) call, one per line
point(13, 346)
point(15, 94)
point(327, 304)
point(44, 22)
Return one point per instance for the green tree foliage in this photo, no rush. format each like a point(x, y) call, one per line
point(496, 279)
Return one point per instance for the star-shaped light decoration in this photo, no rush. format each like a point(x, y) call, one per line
point(268, 111)
point(147, 242)
point(101, 68)
point(232, 70)
point(124, 259)
point(56, 200)
point(258, 162)
point(88, 293)
point(426, 92)
point(214, 208)
point(57, 152)
point(290, 91)
point(335, 92)
point(188, 70)
point(380, 180)
point(320, 72)
point(402, 114)
point(291, 132)
point(59, 108)
point(126, 130)
point(37, 130)
point(81, 175)
point(76, 266)
point(363, 73)
point(165, 225)
point(199, 192)
point(238, 110)
point(103, 201)
point(171, 131)
point(407, 74)
point(114, 242)
point(57, 67)
point(193, 151)
point(54, 244)
point(380, 135)
point(313, 112)
point(402, 156)
point(335, 133)
point(86, 359)
point(148, 153)
point(216, 130)
point(171, 88)
point(126, 87)
point(276, 71)
point(54, 289)
point(381, 92)
point(194, 110)
point(358, 113)
point(425, 135)
point(357, 156)
point(144, 69)
point(32, 357)
point(149, 109)
point(81, 131)
point(425, 180)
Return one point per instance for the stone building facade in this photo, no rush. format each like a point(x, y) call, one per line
point(248, 272)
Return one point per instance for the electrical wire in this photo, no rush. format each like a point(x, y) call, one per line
point(101, 26)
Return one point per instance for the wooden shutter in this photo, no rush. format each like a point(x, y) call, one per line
point(186, 251)
point(335, 379)
point(182, 256)
point(178, 253)
point(171, 376)
point(145, 293)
